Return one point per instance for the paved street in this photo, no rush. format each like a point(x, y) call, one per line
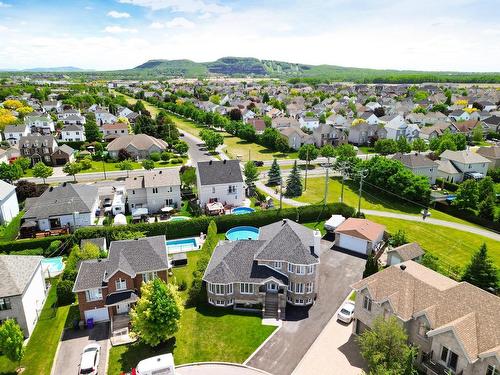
point(281, 354)
point(196, 151)
point(72, 343)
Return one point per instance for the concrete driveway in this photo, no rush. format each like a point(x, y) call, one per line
point(71, 346)
point(282, 353)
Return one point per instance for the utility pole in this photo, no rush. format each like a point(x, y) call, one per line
point(281, 193)
point(104, 169)
point(307, 167)
point(344, 166)
point(362, 175)
point(326, 183)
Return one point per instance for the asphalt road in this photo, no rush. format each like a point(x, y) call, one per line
point(282, 353)
point(196, 150)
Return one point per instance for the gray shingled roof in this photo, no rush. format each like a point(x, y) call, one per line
point(219, 172)
point(166, 177)
point(415, 160)
point(62, 200)
point(15, 272)
point(408, 251)
point(90, 275)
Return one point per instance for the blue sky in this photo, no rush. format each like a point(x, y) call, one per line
point(114, 34)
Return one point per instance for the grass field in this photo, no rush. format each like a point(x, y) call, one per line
point(97, 166)
point(207, 334)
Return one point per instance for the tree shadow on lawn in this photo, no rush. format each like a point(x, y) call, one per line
point(138, 351)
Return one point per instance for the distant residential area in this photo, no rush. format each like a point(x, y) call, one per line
point(248, 225)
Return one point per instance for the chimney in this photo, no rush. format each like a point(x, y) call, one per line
point(64, 184)
point(224, 161)
point(283, 222)
point(317, 242)
point(403, 267)
point(210, 162)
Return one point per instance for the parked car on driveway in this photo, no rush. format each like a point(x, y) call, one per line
point(346, 312)
point(90, 359)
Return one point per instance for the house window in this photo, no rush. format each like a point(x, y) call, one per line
point(291, 286)
point(277, 264)
point(231, 189)
point(422, 329)
point(213, 190)
point(246, 288)
point(230, 302)
point(291, 267)
point(449, 358)
point(229, 289)
point(133, 191)
point(169, 202)
point(309, 300)
point(155, 190)
point(310, 269)
point(299, 288)
point(309, 287)
point(367, 303)
point(5, 304)
point(301, 270)
point(219, 302)
point(148, 276)
point(93, 295)
point(121, 284)
point(217, 289)
point(299, 301)
point(492, 370)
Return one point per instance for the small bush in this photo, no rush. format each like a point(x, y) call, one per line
point(155, 156)
point(175, 161)
point(53, 247)
point(182, 285)
point(65, 295)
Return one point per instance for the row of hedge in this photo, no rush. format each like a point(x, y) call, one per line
point(450, 186)
point(176, 229)
point(463, 214)
point(29, 244)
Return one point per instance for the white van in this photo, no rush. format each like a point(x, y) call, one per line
point(159, 365)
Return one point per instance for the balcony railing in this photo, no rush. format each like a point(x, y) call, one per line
point(436, 368)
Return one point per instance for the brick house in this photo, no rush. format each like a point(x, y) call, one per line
point(109, 287)
point(44, 148)
point(280, 267)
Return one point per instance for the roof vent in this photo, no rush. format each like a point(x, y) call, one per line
point(51, 188)
point(403, 267)
point(160, 172)
point(283, 222)
point(224, 161)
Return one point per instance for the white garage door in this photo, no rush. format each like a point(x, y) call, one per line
point(99, 315)
point(352, 243)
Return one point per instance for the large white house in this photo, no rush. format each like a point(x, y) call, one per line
point(220, 181)
point(22, 290)
point(154, 190)
point(73, 133)
point(455, 165)
point(9, 207)
point(41, 123)
point(13, 133)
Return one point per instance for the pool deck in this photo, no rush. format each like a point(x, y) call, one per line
point(199, 243)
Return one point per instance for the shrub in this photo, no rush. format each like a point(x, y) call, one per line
point(450, 186)
point(182, 285)
point(155, 156)
point(65, 295)
point(53, 247)
point(175, 161)
point(86, 163)
point(30, 243)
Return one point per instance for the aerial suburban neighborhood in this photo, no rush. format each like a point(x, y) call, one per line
point(245, 216)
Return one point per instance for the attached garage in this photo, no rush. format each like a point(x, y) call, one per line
point(358, 245)
point(99, 315)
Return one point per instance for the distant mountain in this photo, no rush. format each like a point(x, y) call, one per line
point(249, 66)
point(59, 69)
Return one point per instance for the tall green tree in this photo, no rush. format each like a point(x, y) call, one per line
point(274, 174)
point(419, 145)
point(386, 146)
point(467, 195)
point(327, 151)
point(156, 316)
point(43, 171)
point(385, 348)
point(251, 173)
point(371, 266)
point(487, 208)
point(403, 145)
point(92, 133)
point(12, 340)
point(481, 271)
point(72, 169)
point(293, 183)
point(485, 187)
point(212, 139)
point(10, 172)
point(281, 144)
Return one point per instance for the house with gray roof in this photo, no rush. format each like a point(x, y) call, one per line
point(419, 164)
point(22, 290)
point(220, 181)
point(455, 166)
point(403, 253)
point(73, 133)
point(279, 268)
point(64, 206)
point(110, 287)
point(139, 146)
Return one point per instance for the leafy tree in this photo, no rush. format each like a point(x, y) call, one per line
point(43, 171)
point(265, 98)
point(403, 145)
point(467, 195)
point(385, 348)
point(293, 183)
point(64, 291)
point(386, 146)
point(26, 189)
point(72, 169)
point(430, 261)
point(439, 107)
point(487, 208)
point(281, 144)
point(251, 173)
point(155, 156)
point(92, 133)
point(181, 147)
point(23, 162)
point(327, 151)
point(269, 136)
point(156, 316)
point(419, 145)
point(212, 139)
point(477, 134)
point(145, 125)
point(486, 187)
point(481, 271)
point(460, 141)
point(188, 176)
point(235, 114)
point(126, 165)
point(345, 152)
point(274, 174)
point(371, 266)
point(165, 156)
point(6, 118)
point(399, 238)
point(12, 340)
point(267, 121)
point(124, 155)
point(148, 164)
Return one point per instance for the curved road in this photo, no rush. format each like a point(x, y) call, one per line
point(394, 215)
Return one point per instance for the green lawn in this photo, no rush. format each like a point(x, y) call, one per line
point(207, 334)
point(43, 343)
point(366, 150)
point(371, 199)
point(99, 166)
point(451, 246)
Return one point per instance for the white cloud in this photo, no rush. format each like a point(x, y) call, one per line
point(4, 5)
point(187, 6)
point(116, 14)
point(157, 25)
point(205, 16)
point(3, 28)
point(119, 30)
point(175, 23)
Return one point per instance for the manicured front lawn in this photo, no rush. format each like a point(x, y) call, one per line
point(43, 343)
point(99, 166)
point(207, 333)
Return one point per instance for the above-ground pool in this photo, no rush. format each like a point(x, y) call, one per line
point(242, 233)
point(52, 266)
point(242, 210)
point(179, 218)
point(182, 245)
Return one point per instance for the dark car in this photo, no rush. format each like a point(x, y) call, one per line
point(258, 163)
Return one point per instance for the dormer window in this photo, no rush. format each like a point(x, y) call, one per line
point(367, 303)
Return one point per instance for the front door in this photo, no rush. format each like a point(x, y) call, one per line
point(272, 287)
point(122, 308)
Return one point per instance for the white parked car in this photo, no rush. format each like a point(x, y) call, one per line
point(90, 359)
point(346, 313)
point(161, 364)
point(332, 223)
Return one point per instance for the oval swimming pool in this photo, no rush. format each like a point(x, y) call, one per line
point(179, 218)
point(242, 233)
point(242, 210)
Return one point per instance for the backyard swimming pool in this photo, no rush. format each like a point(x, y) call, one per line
point(242, 210)
point(182, 245)
point(179, 218)
point(52, 266)
point(242, 233)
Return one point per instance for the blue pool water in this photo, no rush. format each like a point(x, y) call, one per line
point(182, 245)
point(52, 265)
point(242, 233)
point(179, 218)
point(242, 210)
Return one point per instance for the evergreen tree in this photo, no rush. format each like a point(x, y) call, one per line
point(293, 183)
point(92, 133)
point(371, 266)
point(487, 208)
point(481, 271)
point(274, 174)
